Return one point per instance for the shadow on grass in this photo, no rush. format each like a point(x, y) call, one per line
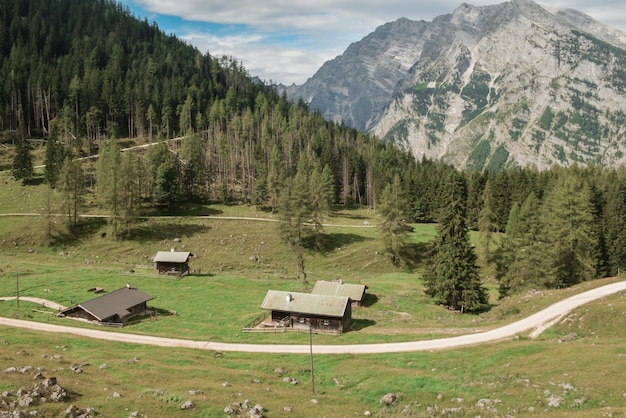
point(369, 300)
point(34, 181)
point(344, 215)
point(359, 324)
point(188, 209)
point(84, 229)
point(326, 243)
point(415, 254)
point(153, 230)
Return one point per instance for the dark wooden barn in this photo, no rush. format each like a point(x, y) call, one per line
point(172, 262)
point(304, 311)
point(117, 307)
point(356, 292)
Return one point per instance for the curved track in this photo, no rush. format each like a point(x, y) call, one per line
point(535, 323)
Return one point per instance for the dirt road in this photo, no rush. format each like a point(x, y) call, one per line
point(533, 325)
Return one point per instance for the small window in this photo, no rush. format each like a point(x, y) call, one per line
point(325, 322)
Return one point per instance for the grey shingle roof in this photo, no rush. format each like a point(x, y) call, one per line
point(117, 302)
point(305, 303)
point(353, 291)
point(171, 257)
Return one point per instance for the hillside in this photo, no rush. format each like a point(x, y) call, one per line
point(513, 84)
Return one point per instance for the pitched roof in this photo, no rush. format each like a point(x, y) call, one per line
point(171, 257)
point(305, 303)
point(117, 302)
point(353, 291)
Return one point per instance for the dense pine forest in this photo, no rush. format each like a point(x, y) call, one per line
point(88, 78)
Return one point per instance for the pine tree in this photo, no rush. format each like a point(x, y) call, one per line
point(615, 227)
point(295, 210)
point(567, 219)
point(520, 258)
point(55, 157)
point(167, 184)
point(453, 276)
point(393, 206)
point(23, 162)
point(487, 222)
point(275, 177)
point(129, 190)
point(107, 182)
point(71, 185)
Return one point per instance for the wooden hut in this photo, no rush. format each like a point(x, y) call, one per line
point(356, 292)
point(172, 262)
point(305, 311)
point(117, 307)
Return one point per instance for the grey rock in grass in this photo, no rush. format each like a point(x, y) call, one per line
point(388, 398)
point(187, 405)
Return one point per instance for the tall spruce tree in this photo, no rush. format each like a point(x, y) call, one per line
point(129, 189)
point(567, 225)
point(23, 162)
point(487, 222)
point(108, 177)
point(55, 157)
point(393, 207)
point(520, 259)
point(453, 277)
point(615, 227)
point(295, 210)
point(71, 184)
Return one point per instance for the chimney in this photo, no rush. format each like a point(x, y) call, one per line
point(289, 297)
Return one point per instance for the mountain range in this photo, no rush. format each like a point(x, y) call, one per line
point(511, 84)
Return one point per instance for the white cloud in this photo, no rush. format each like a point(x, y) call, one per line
point(288, 40)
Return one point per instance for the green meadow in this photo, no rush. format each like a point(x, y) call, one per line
point(223, 294)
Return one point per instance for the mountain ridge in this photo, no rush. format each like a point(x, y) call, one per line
point(484, 87)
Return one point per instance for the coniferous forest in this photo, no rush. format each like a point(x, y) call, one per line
point(87, 77)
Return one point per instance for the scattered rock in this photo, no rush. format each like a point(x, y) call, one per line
point(483, 402)
point(569, 338)
point(187, 405)
point(388, 398)
point(314, 401)
point(554, 401)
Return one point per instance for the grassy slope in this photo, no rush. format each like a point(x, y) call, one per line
point(217, 302)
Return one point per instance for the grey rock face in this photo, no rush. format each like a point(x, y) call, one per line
point(485, 87)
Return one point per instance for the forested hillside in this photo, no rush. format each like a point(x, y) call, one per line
point(86, 77)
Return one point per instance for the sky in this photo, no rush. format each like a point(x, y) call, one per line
point(287, 41)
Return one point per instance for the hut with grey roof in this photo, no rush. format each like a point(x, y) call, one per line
point(356, 292)
point(172, 262)
point(117, 307)
point(306, 311)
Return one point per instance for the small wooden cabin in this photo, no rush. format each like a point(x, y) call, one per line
point(117, 307)
point(305, 311)
point(356, 292)
point(172, 262)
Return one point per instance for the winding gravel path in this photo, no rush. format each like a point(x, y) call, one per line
point(535, 323)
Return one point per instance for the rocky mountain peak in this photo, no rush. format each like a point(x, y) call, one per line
point(485, 87)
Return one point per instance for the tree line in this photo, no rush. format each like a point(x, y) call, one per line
point(98, 75)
